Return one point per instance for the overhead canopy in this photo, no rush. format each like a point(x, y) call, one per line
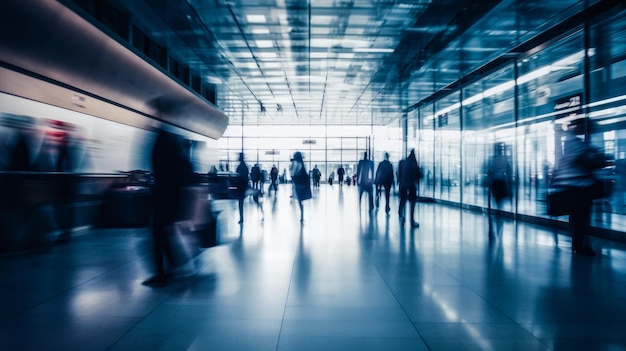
point(50, 54)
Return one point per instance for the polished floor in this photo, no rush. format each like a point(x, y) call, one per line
point(345, 279)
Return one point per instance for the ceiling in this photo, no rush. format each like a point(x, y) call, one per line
point(336, 61)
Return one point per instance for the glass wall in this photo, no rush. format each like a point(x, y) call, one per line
point(607, 110)
point(448, 148)
point(98, 145)
point(488, 115)
point(550, 86)
point(523, 107)
point(426, 151)
point(328, 148)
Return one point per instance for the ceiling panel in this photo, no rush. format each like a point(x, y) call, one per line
point(335, 61)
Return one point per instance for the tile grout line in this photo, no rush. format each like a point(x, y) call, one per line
point(293, 272)
point(402, 307)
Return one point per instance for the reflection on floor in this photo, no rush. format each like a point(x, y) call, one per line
point(347, 279)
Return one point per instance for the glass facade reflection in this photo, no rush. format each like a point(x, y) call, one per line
point(328, 148)
point(523, 105)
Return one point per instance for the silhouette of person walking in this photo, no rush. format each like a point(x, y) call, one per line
point(409, 175)
point(242, 184)
point(341, 172)
point(384, 179)
point(500, 182)
point(273, 179)
point(365, 180)
point(301, 181)
point(172, 172)
point(574, 174)
point(255, 176)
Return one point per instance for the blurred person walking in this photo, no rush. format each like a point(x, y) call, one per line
point(500, 184)
point(341, 172)
point(255, 176)
point(409, 176)
point(365, 180)
point(17, 204)
point(242, 184)
point(273, 180)
point(301, 181)
point(263, 180)
point(574, 175)
point(317, 176)
point(66, 163)
point(384, 179)
point(172, 172)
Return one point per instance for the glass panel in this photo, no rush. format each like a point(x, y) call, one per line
point(550, 93)
point(488, 110)
point(607, 110)
point(448, 147)
point(319, 146)
point(426, 151)
point(475, 155)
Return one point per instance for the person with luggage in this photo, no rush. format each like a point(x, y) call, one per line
point(574, 174)
point(172, 172)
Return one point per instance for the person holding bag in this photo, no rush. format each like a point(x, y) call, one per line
point(365, 180)
point(172, 172)
point(575, 183)
point(301, 181)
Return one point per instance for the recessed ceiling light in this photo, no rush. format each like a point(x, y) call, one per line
point(260, 31)
point(374, 50)
point(267, 55)
point(264, 43)
point(256, 18)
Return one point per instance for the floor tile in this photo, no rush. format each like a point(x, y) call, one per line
point(343, 280)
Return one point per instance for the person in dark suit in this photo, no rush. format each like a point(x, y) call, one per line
point(341, 172)
point(409, 175)
point(273, 179)
point(242, 184)
point(365, 180)
point(171, 171)
point(301, 181)
point(574, 173)
point(384, 179)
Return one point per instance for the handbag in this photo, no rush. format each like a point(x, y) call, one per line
point(303, 191)
point(602, 188)
point(199, 223)
point(560, 201)
point(207, 234)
